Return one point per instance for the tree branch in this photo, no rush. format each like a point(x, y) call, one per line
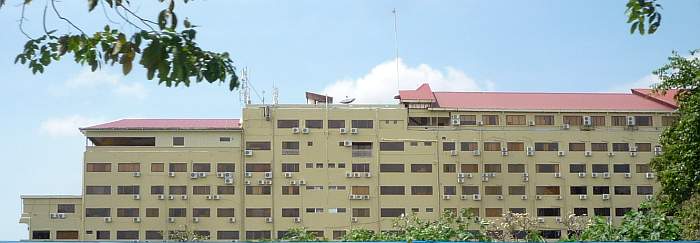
point(104, 11)
point(53, 5)
point(116, 10)
point(21, 23)
point(144, 21)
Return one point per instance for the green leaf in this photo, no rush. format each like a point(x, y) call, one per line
point(92, 4)
point(633, 27)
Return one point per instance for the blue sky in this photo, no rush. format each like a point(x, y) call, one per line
point(345, 48)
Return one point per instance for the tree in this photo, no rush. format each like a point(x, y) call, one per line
point(165, 48)
point(643, 16)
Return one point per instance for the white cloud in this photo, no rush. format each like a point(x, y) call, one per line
point(101, 79)
point(67, 126)
point(643, 83)
point(379, 85)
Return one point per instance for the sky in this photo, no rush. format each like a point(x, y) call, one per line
point(342, 48)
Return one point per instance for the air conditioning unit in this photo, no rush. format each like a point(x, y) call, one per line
point(305, 130)
point(523, 197)
point(504, 149)
point(136, 220)
point(354, 130)
point(526, 174)
point(531, 123)
point(594, 175)
point(649, 175)
point(302, 182)
point(219, 174)
point(588, 153)
point(248, 174)
point(171, 220)
point(268, 220)
point(209, 197)
point(297, 220)
point(354, 197)
point(561, 153)
point(292, 182)
point(469, 175)
point(232, 220)
point(477, 152)
point(633, 148)
point(136, 196)
point(484, 179)
point(455, 122)
point(628, 175)
point(499, 197)
point(268, 175)
point(348, 174)
point(161, 197)
point(183, 197)
point(526, 179)
point(558, 219)
point(631, 121)
point(228, 181)
point(347, 143)
point(53, 215)
point(611, 154)
point(648, 197)
point(633, 154)
point(287, 174)
point(560, 197)
point(195, 220)
point(171, 197)
point(606, 175)
point(566, 126)
point(202, 174)
point(194, 175)
point(587, 121)
point(354, 220)
point(479, 123)
point(136, 174)
point(557, 175)
point(365, 197)
point(268, 182)
point(171, 174)
point(216, 197)
point(228, 175)
point(107, 219)
point(248, 152)
point(445, 197)
point(460, 180)
point(657, 150)
point(530, 151)
point(476, 197)
point(538, 197)
point(582, 197)
point(582, 174)
point(295, 130)
point(261, 182)
point(464, 197)
point(368, 174)
point(540, 220)
point(356, 174)
point(343, 130)
point(453, 152)
point(606, 196)
point(461, 175)
point(504, 153)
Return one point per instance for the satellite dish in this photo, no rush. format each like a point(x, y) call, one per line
point(347, 100)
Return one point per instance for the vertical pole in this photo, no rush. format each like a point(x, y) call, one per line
point(396, 46)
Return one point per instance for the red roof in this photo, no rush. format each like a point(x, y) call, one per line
point(669, 97)
point(422, 93)
point(165, 124)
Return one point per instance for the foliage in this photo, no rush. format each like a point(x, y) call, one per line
point(449, 226)
point(641, 13)
point(186, 236)
point(600, 230)
point(689, 217)
point(575, 225)
point(643, 225)
point(170, 55)
point(510, 225)
point(299, 234)
point(360, 234)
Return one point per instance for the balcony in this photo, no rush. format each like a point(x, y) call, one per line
point(361, 153)
point(290, 151)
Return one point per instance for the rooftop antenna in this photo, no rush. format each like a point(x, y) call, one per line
point(275, 94)
point(244, 91)
point(396, 45)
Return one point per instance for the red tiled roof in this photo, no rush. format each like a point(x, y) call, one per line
point(164, 124)
point(668, 98)
point(422, 93)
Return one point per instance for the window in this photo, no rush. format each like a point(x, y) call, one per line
point(258, 212)
point(290, 212)
point(643, 121)
point(599, 168)
point(98, 190)
point(544, 120)
point(668, 120)
point(517, 210)
point(360, 212)
point(319, 165)
point(515, 119)
point(177, 212)
point(599, 147)
point(449, 168)
point(177, 190)
point(102, 235)
point(41, 235)
point(152, 212)
point(225, 167)
point(547, 190)
point(313, 123)
point(127, 234)
point(577, 146)
point(621, 168)
point(154, 235)
point(128, 167)
point(258, 235)
point(97, 212)
point(467, 120)
point(336, 188)
point(581, 211)
point(66, 208)
point(257, 145)
point(448, 146)
point(550, 234)
point(177, 167)
point(643, 147)
point(548, 212)
point(224, 139)
point(227, 235)
point(619, 120)
point(225, 212)
point(645, 190)
point(258, 167)
point(469, 146)
point(290, 167)
point(310, 143)
point(449, 190)
point(546, 147)
point(361, 149)
point(598, 120)
point(127, 190)
point(389, 168)
point(620, 147)
point(494, 212)
point(258, 190)
point(178, 141)
point(516, 146)
point(392, 212)
point(123, 141)
point(491, 120)
point(493, 190)
point(516, 168)
point(287, 123)
point(362, 124)
point(573, 120)
point(201, 190)
point(98, 167)
point(336, 123)
point(421, 190)
point(391, 146)
point(225, 190)
point(623, 190)
point(421, 168)
point(601, 212)
point(338, 234)
point(359, 190)
point(360, 167)
point(492, 168)
point(547, 168)
point(599, 190)
point(127, 212)
point(290, 148)
point(290, 190)
point(469, 168)
point(470, 190)
point(492, 146)
point(392, 190)
point(516, 190)
point(577, 168)
point(642, 168)
point(578, 190)
point(157, 190)
point(201, 212)
point(619, 212)
point(201, 167)
point(157, 167)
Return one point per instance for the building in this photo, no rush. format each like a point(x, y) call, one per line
point(333, 167)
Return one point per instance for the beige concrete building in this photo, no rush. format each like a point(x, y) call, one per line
point(333, 167)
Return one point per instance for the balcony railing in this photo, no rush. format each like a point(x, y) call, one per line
point(361, 153)
point(290, 151)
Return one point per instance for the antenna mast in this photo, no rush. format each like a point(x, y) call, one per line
point(396, 46)
point(244, 91)
point(275, 94)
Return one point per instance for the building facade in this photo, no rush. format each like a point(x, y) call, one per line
point(330, 168)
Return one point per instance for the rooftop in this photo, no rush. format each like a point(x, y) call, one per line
point(169, 124)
